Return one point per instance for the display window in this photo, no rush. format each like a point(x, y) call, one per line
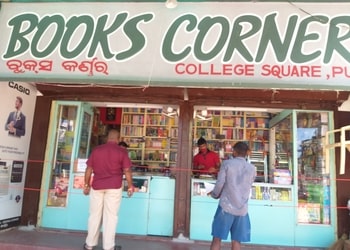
point(298, 157)
point(151, 134)
point(313, 177)
point(60, 173)
point(222, 127)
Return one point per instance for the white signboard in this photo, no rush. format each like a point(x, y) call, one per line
point(237, 44)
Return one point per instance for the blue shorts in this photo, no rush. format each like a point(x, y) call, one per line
point(238, 226)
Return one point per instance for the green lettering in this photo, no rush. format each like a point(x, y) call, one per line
point(73, 25)
point(44, 25)
point(297, 55)
point(18, 43)
point(101, 34)
point(271, 34)
point(334, 42)
point(237, 38)
point(204, 28)
point(167, 51)
point(138, 40)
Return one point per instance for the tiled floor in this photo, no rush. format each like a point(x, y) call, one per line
point(30, 238)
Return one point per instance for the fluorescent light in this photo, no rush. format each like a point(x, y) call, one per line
point(125, 105)
point(171, 4)
point(170, 109)
point(231, 108)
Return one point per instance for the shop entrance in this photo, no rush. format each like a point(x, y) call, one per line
point(153, 134)
point(150, 133)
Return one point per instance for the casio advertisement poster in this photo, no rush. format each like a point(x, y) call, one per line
point(16, 119)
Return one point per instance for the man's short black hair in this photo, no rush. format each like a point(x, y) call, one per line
point(123, 144)
point(241, 148)
point(201, 141)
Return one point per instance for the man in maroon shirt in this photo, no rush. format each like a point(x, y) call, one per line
point(206, 161)
point(107, 163)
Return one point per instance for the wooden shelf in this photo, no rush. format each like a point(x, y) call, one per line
point(156, 133)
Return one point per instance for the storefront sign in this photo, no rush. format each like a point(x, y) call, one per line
point(232, 45)
point(17, 111)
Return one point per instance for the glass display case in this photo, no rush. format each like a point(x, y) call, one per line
point(203, 208)
point(71, 123)
point(268, 192)
point(84, 142)
point(298, 158)
point(273, 205)
point(269, 204)
point(58, 188)
point(313, 178)
point(150, 210)
point(281, 149)
point(298, 138)
point(134, 211)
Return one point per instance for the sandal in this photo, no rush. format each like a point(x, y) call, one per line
point(86, 247)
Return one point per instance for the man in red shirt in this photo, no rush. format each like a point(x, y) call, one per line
point(108, 162)
point(206, 161)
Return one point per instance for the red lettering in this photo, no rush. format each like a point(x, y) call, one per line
point(338, 70)
point(86, 66)
point(214, 70)
point(281, 71)
point(18, 66)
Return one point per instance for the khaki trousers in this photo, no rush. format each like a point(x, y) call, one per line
point(104, 208)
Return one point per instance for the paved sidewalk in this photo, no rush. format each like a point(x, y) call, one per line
point(30, 238)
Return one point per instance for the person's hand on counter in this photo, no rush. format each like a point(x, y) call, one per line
point(212, 195)
point(131, 191)
point(212, 170)
point(200, 167)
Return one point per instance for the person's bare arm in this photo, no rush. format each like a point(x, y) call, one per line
point(87, 180)
point(128, 177)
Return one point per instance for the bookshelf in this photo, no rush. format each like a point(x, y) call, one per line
point(222, 129)
point(152, 137)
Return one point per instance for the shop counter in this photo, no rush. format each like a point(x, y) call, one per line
point(133, 212)
point(150, 211)
point(161, 206)
point(271, 213)
point(203, 209)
